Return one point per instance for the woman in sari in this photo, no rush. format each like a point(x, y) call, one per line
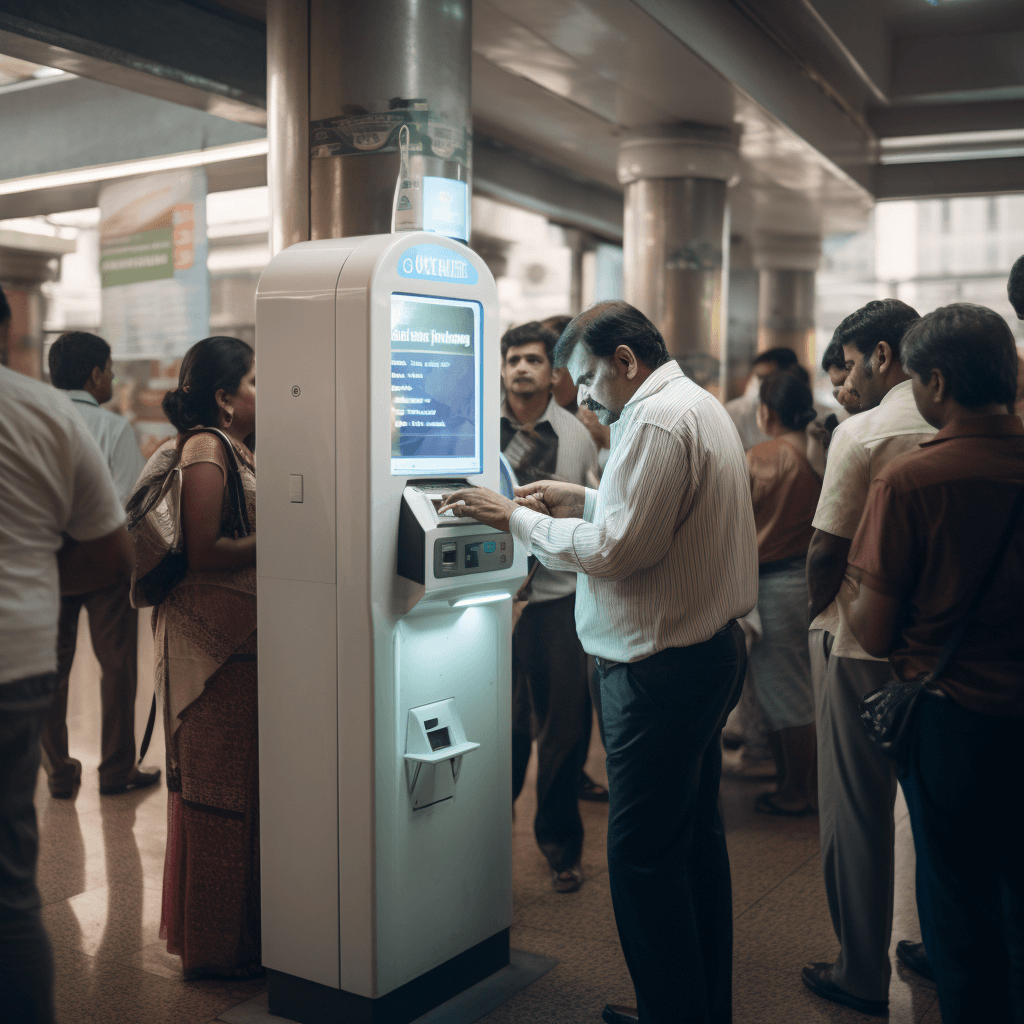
point(205, 636)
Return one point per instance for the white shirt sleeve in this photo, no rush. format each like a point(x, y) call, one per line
point(646, 499)
point(844, 490)
point(94, 509)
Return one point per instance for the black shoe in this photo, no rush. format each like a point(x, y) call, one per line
point(66, 790)
point(140, 780)
point(818, 978)
point(914, 956)
point(619, 1014)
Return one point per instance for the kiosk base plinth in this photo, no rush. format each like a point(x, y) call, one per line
point(308, 1002)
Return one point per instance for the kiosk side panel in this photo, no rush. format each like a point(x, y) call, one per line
point(356, 698)
point(297, 614)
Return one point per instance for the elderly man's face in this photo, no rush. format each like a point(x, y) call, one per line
point(602, 383)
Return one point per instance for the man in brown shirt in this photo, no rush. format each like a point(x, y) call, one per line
point(931, 529)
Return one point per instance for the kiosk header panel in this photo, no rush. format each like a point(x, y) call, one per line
point(436, 393)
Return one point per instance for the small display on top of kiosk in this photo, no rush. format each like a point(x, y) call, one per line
point(436, 426)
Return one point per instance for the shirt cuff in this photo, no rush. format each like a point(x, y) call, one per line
point(589, 504)
point(522, 522)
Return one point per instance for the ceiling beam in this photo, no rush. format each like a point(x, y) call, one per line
point(971, 66)
point(170, 49)
point(511, 175)
point(64, 122)
point(946, 118)
point(723, 37)
point(949, 178)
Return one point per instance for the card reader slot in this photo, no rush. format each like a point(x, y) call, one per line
point(449, 557)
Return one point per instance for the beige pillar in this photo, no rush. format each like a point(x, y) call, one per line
point(676, 231)
point(787, 265)
point(26, 263)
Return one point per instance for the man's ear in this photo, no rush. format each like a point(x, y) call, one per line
point(96, 375)
point(627, 357)
point(886, 355)
point(938, 386)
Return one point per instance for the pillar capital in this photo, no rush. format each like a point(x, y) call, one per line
point(679, 151)
point(777, 251)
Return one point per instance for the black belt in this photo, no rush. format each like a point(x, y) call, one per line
point(767, 568)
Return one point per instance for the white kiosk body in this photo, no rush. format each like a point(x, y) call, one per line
point(384, 629)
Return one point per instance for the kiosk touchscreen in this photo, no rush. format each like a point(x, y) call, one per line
point(384, 629)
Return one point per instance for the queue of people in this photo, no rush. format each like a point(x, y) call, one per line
point(67, 467)
point(893, 571)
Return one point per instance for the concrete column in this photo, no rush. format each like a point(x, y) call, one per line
point(787, 266)
point(26, 263)
point(676, 234)
point(328, 63)
point(744, 287)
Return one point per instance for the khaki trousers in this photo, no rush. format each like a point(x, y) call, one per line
point(113, 626)
point(856, 794)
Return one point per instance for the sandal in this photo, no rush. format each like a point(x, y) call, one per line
point(567, 881)
point(766, 805)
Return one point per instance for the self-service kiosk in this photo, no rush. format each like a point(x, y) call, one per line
point(384, 629)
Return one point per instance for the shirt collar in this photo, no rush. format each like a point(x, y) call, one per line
point(83, 396)
point(507, 412)
point(656, 381)
point(1000, 425)
point(898, 392)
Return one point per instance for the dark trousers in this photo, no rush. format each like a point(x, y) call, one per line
point(963, 786)
point(550, 704)
point(113, 626)
point(26, 960)
point(661, 721)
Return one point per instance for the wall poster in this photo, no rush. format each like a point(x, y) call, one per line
point(155, 285)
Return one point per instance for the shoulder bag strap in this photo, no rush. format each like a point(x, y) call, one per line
point(954, 638)
point(236, 489)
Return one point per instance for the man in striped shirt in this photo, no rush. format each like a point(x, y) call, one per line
point(666, 554)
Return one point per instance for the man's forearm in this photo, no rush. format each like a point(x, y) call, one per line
point(826, 565)
point(94, 564)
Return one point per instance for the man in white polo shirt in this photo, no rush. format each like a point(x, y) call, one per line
point(61, 529)
point(666, 556)
point(80, 364)
point(856, 782)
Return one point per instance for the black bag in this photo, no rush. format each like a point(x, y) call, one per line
point(888, 713)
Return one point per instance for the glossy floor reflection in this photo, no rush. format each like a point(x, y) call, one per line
point(101, 865)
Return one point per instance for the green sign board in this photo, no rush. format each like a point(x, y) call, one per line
point(143, 256)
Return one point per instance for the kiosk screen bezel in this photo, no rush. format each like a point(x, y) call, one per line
point(446, 465)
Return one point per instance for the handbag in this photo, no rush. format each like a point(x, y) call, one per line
point(154, 522)
point(887, 713)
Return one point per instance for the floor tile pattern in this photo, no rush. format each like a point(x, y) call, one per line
point(101, 865)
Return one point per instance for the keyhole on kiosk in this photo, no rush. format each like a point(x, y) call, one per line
point(296, 391)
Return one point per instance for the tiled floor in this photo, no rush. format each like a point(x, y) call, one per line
point(101, 862)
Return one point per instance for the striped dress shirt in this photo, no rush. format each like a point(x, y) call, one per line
point(666, 549)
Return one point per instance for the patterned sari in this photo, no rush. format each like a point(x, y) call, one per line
point(205, 639)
